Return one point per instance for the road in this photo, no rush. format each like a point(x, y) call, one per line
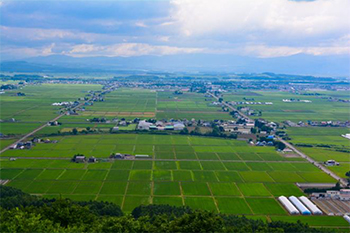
point(36, 130)
point(155, 159)
point(44, 125)
point(312, 161)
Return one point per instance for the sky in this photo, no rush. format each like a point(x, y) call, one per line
point(252, 28)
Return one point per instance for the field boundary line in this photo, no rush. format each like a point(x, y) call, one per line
point(126, 189)
point(78, 182)
point(213, 197)
point(103, 183)
point(152, 192)
point(181, 193)
point(59, 176)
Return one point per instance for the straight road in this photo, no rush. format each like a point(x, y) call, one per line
point(312, 161)
point(168, 160)
point(44, 125)
point(36, 130)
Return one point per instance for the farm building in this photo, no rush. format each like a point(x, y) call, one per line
point(314, 209)
point(288, 205)
point(303, 210)
point(347, 218)
point(79, 158)
point(143, 125)
point(142, 156)
point(92, 159)
point(331, 162)
point(169, 127)
point(343, 194)
point(179, 126)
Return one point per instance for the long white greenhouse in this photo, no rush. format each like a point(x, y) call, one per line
point(312, 207)
point(288, 205)
point(303, 210)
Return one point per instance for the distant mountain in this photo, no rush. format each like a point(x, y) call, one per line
point(297, 64)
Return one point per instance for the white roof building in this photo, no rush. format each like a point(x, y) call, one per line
point(143, 125)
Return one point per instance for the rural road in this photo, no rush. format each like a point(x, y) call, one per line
point(155, 159)
point(312, 161)
point(44, 125)
point(31, 133)
point(317, 164)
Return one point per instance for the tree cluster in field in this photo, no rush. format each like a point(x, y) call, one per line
point(347, 174)
point(21, 212)
point(217, 131)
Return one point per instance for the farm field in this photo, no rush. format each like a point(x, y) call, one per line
point(157, 146)
point(279, 111)
point(220, 175)
point(188, 105)
point(35, 108)
point(131, 183)
point(319, 136)
point(213, 181)
point(327, 144)
point(121, 103)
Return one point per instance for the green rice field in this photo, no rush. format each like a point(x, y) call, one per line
point(318, 110)
point(210, 180)
point(215, 174)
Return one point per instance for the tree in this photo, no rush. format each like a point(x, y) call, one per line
point(75, 131)
point(280, 145)
point(253, 130)
point(184, 131)
point(347, 174)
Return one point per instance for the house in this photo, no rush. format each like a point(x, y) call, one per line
point(263, 143)
point(287, 150)
point(143, 125)
point(179, 126)
point(331, 162)
point(79, 158)
point(92, 159)
point(342, 194)
point(153, 127)
point(169, 127)
point(269, 143)
point(119, 156)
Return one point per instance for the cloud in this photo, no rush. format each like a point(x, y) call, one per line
point(262, 17)
point(141, 25)
point(264, 51)
point(127, 50)
point(20, 52)
point(164, 38)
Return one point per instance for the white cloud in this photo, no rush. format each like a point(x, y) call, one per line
point(20, 52)
point(141, 25)
point(164, 38)
point(277, 17)
point(127, 50)
point(264, 51)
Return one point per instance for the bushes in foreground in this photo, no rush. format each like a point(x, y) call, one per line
point(21, 212)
